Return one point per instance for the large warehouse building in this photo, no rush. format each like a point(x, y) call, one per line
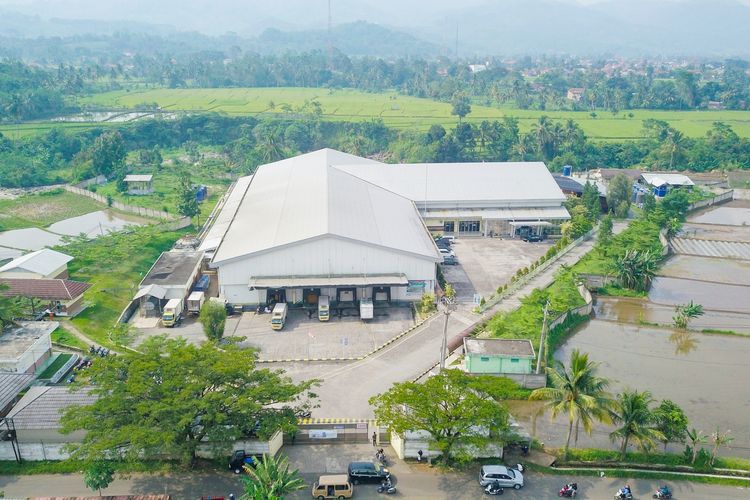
point(330, 223)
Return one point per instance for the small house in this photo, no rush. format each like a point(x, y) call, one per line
point(660, 183)
point(575, 94)
point(498, 356)
point(60, 297)
point(44, 263)
point(139, 184)
point(26, 346)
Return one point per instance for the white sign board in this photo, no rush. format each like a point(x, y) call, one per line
point(322, 434)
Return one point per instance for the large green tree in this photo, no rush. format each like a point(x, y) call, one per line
point(576, 392)
point(213, 317)
point(271, 479)
point(460, 105)
point(635, 420)
point(108, 153)
point(672, 422)
point(187, 204)
point(636, 269)
point(10, 307)
point(170, 396)
point(619, 192)
point(454, 408)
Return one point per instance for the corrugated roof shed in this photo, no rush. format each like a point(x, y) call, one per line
point(41, 407)
point(47, 289)
point(16, 340)
point(11, 384)
point(659, 179)
point(499, 347)
point(42, 262)
point(138, 178)
point(174, 268)
point(307, 197)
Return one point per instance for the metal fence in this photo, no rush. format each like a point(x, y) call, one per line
point(143, 211)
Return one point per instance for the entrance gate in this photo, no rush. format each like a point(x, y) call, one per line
point(337, 431)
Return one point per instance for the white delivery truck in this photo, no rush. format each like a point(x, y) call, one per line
point(324, 308)
point(172, 312)
point(366, 310)
point(278, 316)
point(195, 302)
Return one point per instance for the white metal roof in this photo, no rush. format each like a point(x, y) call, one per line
point(670, 179)
point(151, 291)
point(305, 197)
point(328, 281)
point(519, 214)
point(138, 178)
point(504, 184)
point(42, 261)
point(226, 214)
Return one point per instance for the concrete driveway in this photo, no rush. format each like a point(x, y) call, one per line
point(486, 263)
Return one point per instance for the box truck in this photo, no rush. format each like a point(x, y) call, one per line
point(195, 302)
point(324, 308)
point(172, 312)
point(366, 310)
point(278, 316)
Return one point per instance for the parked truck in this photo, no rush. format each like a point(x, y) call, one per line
point(278, 316)
point(324, 308)
point(172, 313)
point(195, 302)
point(366, 309)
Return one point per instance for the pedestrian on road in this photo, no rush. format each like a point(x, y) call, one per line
point(374, 439)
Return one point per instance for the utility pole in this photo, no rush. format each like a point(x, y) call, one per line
point(330, 37)
point(448, 307)
point(543, 338)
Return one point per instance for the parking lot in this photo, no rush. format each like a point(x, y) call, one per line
point(305, 337)
point(486, 263)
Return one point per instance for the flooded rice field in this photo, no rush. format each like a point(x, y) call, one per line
point(707, 374)
point(92, 225)
point(724, 215)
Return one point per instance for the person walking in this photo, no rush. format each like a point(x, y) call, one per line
point(374, 439)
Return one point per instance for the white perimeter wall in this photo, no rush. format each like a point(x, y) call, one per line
point(321, 257)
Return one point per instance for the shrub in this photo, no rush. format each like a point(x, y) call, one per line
point(427, 304)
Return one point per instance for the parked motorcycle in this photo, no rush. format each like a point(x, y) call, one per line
point(663, 492)
point(387, 487)
point(494, 488)
point(569, 490)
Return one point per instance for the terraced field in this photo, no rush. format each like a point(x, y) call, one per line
point(404, 112)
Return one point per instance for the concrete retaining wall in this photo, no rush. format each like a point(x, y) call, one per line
point(722, 198)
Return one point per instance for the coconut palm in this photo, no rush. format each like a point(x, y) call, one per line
point(271, 479)
point(696, 438)
point(637, 423)
point(719, 439)
point(577, 392)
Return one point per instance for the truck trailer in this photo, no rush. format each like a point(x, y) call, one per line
point(172, 313)
point(195, 302)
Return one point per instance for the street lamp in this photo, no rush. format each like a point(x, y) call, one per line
point(448, 306)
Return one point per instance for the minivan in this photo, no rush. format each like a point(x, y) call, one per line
point(334, 486)
point(278, 316)
point(505, 476)
point(324, 308)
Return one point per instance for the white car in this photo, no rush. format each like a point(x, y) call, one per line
point(445, 251)
point(507, 477)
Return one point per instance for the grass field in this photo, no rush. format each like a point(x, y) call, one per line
point(43, 209)
point(56, 365)
point(65, 337)
point(114, 265)
point(27, 129)
point(404, 112)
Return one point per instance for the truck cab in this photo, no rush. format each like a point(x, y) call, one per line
point(278, 316)
point(172, 313)
point(324, 308)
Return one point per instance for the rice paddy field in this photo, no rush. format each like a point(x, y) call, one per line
point(403, 112)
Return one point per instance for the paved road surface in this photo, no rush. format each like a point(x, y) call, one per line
point(417, 483)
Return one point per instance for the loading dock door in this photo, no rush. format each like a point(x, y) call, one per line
point(346, 294)
point(310, 296)
point(381, 294)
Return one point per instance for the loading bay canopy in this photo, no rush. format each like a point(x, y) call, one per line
point(260, 282)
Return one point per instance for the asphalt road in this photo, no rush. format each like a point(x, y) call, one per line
point(421, 483)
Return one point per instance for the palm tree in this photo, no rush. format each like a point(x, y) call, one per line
point(271, 479)
point(577, 392)
point(696, 438)
point(719, 439)
point(636, 421)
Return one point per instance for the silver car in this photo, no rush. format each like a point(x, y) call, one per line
point(507, 477)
